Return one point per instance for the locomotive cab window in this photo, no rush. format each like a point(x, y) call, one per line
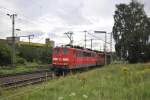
point(56, 51)
point(65, 51)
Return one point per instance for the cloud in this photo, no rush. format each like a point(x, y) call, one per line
point(65, 9)
point(52, 18)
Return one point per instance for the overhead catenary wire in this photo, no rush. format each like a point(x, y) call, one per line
point(24, 17)
point(32, 21)
point(4, 14)
point(98, 38)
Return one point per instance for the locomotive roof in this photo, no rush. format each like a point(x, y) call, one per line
point(80, 48)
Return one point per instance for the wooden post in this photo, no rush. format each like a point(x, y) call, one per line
point(63, 74)
point(46, 76)
point(53, 75)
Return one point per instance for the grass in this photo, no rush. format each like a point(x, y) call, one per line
point(113, 82)
point(21, 69)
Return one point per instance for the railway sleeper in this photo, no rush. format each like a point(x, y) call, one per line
point(25, 82)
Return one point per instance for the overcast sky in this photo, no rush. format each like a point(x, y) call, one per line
point(51, 18)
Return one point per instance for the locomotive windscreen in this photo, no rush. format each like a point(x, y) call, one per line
point(56, 51)
point(61, 51)
point(65, 51)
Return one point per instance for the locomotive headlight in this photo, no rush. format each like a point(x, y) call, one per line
point(55, 59)
point(65, 59)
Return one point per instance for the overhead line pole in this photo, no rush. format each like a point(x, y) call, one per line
point(29, 37)
point(13, 39)
point(111, 59)
point(69, 35)
point(104, 45)
point(105, 48)
point(91, 43)
point(85, 37)
point(99, 38)
point(111, 46)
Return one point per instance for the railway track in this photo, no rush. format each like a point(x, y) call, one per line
point(34, 71)
point(26, 79)
point(20, 80)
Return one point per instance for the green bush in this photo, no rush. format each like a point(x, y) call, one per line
point(20, 60)
point(25, 53)
point(5, 54)
point(34, 54)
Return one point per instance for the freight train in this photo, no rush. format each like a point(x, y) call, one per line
point(69, 58)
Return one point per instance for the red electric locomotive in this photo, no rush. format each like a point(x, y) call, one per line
point(67, 58)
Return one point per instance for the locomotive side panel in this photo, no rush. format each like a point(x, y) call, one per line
point(85, 58)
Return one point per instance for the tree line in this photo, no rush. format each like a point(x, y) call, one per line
point(25, 53)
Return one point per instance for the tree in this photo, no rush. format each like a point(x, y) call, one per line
point(131, 31)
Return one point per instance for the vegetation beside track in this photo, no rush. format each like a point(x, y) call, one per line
point(113, 82)
point(19, 69)
point(25, 54)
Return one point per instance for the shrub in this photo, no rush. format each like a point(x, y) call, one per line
point(5, 54)
point(35, 54)
point(21, 60)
